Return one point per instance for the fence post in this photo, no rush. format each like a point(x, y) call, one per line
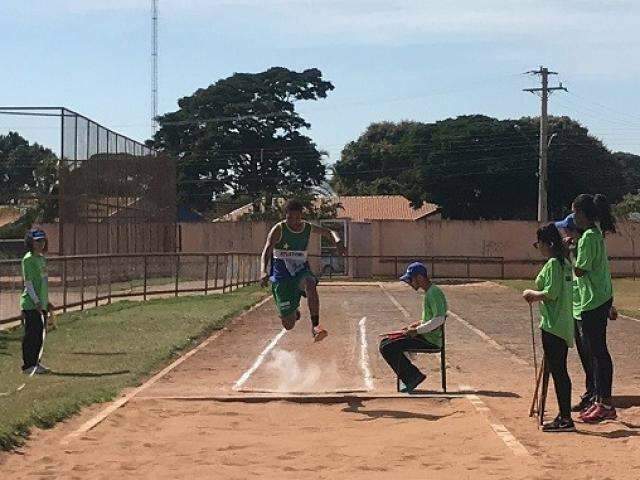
point(215, 281)
point(144, 278)
point(177, 272)
point(97, 278)
point(239, 271)
point(231, 275)
point(206, 274)
point(226, 269)
point(82, 284)
point(64, 284)
point(468, 268)
point(109, 264)
point(330, 264)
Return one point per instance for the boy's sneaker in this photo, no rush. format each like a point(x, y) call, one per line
point(599, 414)
point(30, 371)
point(41, 369)
point(559, 424)
point(584, 404)
point(409, 387)
point(318, 333)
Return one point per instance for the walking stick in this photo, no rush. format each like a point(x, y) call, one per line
point(534, 400)
point(533, 343)
point(543, 393)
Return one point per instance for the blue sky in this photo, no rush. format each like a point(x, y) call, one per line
point(389, 60)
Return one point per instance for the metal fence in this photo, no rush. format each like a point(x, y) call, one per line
point(116, 194)
point(84, 281)
point(450, 267)
point(113, 194)
point(79, 282)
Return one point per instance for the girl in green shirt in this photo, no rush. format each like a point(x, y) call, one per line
point(34, 301)
point(554, 291)
point(593, 216)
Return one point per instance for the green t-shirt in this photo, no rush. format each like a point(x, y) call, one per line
point(34, 270)
point(556, 315)
point(595, 285)
point(435, 305)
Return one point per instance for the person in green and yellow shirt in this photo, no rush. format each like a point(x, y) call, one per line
point(285, 264)
point(34, 302)
point(555, 294)
point(425, 334)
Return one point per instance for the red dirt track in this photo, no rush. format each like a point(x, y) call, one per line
point(345, 419)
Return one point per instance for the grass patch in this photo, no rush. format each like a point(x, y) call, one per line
point(626, 298)
point(96, 353)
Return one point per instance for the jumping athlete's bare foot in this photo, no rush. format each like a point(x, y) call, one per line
point(319, 333)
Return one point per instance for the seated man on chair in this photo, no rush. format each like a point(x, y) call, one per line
point(426, 334)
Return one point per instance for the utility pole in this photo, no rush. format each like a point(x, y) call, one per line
point(545, 90)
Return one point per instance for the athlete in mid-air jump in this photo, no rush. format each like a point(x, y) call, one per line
point(284, 263)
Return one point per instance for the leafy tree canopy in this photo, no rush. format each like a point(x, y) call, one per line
point(242, 135)
point(477, 167)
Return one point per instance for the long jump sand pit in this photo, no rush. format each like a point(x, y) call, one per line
point(256, 401)
point(355, 439)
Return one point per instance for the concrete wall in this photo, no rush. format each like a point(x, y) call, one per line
point(509, 239)
point(89, 238)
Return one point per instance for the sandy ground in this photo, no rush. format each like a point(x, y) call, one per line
point(193, 424)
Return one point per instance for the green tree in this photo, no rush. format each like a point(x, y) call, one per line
point(480, 167)
point(242, 135)
point(26, 170)
point(383, 160)
point(28, 175)
point(630, 204)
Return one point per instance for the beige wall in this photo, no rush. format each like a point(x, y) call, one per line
point(509, 239)
point(86, 239)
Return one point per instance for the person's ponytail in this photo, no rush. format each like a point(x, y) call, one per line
point(603, 211)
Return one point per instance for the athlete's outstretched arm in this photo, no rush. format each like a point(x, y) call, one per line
point(330, 235)
point(267, 252)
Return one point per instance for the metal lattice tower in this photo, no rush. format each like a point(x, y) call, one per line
point(154, 68)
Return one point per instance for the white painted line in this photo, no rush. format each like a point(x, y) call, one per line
point(503, 432)
point(246, 375)
point(115, 405)
point(364, 355)
point(626, 317)
point(487, 338)
point(395, 302)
